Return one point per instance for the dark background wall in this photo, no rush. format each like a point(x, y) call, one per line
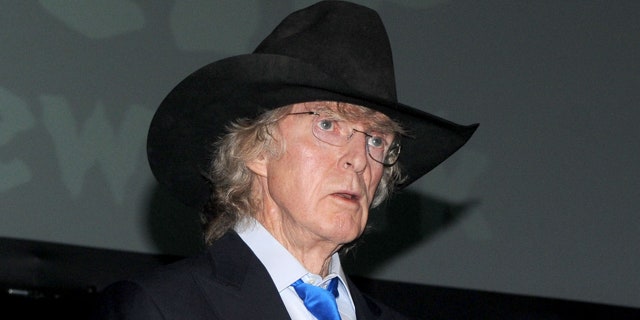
point(542, 201)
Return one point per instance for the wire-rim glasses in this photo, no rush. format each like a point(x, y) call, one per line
point(336, 132)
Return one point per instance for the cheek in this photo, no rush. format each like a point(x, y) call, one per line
point(308, 157)
point(297, 170)
point(374, 181)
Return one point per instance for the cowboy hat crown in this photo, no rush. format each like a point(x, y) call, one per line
point(330, 51)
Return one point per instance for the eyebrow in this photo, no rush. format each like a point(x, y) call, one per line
point(322, 109)
point(379, 127)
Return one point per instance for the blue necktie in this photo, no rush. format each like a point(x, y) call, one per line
point(320, 302)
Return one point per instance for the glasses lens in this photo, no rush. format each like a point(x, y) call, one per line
point(329, 130)
point(336, 133)
point(393, 153)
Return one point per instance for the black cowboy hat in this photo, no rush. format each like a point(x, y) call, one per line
point(334, 51)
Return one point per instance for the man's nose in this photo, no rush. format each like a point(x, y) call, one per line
point(355, 151)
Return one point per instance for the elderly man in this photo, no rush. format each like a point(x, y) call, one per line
point(284, 150)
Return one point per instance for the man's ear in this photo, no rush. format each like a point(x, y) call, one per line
point(258, 165)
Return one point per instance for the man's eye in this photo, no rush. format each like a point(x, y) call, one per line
point(376, 141)
point(325, 124)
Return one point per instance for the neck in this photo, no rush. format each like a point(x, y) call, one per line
point(313, 251)
point(314, 254)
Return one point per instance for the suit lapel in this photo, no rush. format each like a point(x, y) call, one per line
point(365, 308)
point(238, 286)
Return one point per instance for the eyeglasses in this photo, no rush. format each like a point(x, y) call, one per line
point(336, 132)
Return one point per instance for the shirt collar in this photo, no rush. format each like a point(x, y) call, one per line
point(282, 266)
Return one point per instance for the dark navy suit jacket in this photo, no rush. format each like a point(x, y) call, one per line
point(227, 281)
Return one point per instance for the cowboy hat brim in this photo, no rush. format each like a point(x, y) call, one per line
point(197, 111)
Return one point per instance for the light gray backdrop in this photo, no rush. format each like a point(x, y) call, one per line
point(543, 200)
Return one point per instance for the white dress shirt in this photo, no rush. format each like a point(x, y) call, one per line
point(285, 269)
